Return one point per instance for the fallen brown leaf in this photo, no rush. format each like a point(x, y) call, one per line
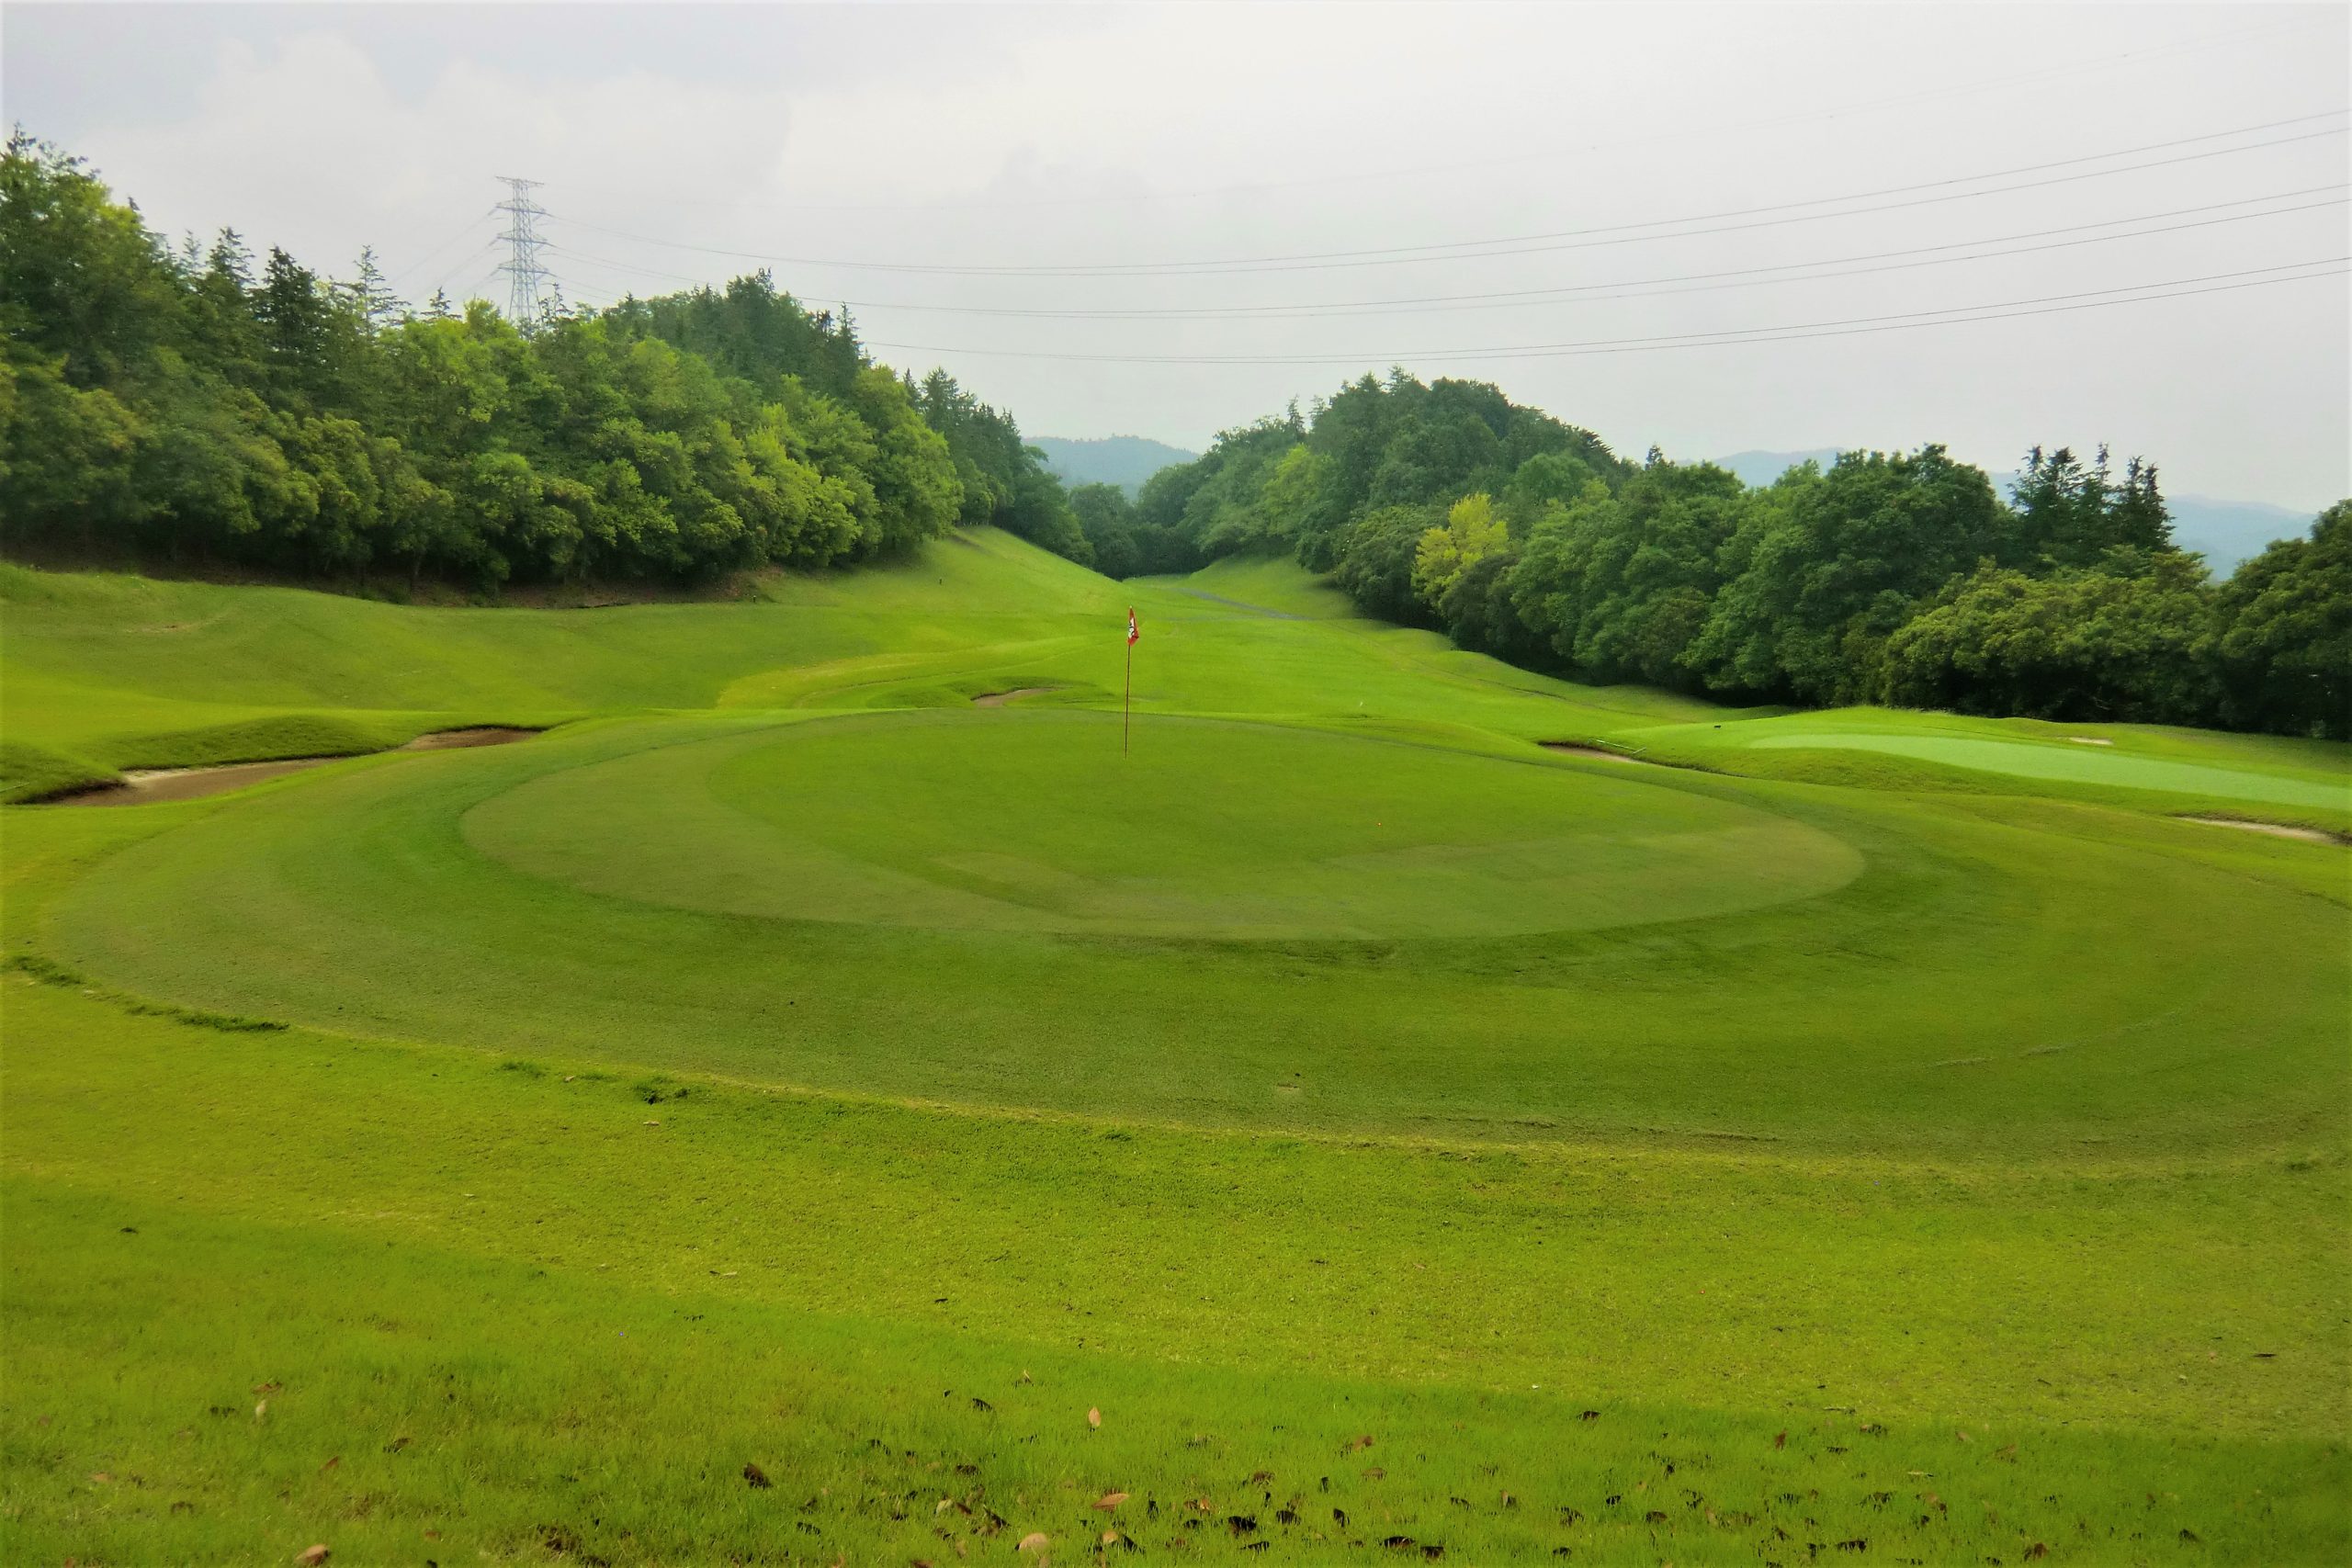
point(1093, 1416)
point(1109, 1500)
point(1035, 1541)
point(330, 1464)
point(311, 1557)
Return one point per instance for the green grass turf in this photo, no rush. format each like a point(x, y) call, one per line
point(1962, 992)
point(1054, 822)
point(747, 1073)
point(2256, 777)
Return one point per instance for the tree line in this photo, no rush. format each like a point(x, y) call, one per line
point(194, 402)
point(191, 402)
point(1898, 578)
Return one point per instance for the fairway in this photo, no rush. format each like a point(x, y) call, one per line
point(1877, 1128)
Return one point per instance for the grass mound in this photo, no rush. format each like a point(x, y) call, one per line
point(35, 772)
point(254, 740)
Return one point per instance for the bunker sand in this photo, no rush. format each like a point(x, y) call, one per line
point(152, 786)
point(2276, 829)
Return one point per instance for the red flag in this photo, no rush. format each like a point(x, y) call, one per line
point(1132, 633)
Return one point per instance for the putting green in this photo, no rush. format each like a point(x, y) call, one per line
point(1039, 822)
point(2077, 765)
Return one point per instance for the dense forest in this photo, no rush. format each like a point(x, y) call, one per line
point(1896, 578)
point(191, 403)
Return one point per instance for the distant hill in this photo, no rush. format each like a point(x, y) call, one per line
point(1762, 467)
point(1123, 460)
point(2223, 532)
point(2227, 532)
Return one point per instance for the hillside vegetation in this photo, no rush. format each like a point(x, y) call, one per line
point(187, 409)
point(843, 1094)
point(194, 406)
point(1898, 578)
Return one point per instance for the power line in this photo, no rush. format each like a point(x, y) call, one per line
point(436, 252)
point(524, 273)
point(1579, 239)
point(454, 268)
point(2071, 71)
point(2053, 304)
point(1737, 278)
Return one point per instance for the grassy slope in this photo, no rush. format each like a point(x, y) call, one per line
point(1071, 1161)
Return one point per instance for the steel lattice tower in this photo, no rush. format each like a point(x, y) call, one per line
point(524, 273)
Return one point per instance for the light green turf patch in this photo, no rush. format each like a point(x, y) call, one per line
point(2080, 765)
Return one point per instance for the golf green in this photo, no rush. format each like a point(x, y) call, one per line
point(1049, 822)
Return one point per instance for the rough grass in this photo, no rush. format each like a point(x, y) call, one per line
point(498, 1125)
point(506, 1266)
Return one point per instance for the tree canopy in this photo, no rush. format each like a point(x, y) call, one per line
point(1896, 577)
point(188, 402)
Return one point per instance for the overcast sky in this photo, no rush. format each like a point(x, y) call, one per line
point(1338, 172)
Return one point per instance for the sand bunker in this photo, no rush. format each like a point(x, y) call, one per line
point(2090, 740)
point(1603, 752)
point(998, 699)
point(2276, 829)
point(148, 786)
point(145, 786)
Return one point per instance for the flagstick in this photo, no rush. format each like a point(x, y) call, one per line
point(1127, 719)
